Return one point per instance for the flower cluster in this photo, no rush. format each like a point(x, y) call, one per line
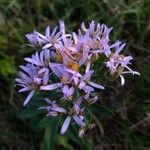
point(69, 58)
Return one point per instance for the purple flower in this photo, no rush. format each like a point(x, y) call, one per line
point(34, 78)
point(68, 92)
point(86, 84)
point(53, 109)
point(118, 63)
point(76, 113)
point(41, 60)
point(54, 38)
point(96, 37)
point(31, 80)
point(33, 38)
point(97, 31)
point(50, 39)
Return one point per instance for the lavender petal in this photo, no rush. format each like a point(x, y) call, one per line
point(51, 87)
point(28, 98)
point(65, 125)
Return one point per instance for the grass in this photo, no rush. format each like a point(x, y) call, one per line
point(128, 129)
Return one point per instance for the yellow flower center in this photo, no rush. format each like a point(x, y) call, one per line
point(73, 66)
point(58, 57)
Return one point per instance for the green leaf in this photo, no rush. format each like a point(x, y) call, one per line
point(72, 133)
point(101, 110)
point(32, 107)
point(110, 90)
point(63, 140)
point(7, 67)
point(50, 136)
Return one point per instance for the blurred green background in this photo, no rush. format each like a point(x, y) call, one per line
point(129, 126)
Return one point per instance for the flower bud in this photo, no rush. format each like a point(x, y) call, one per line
point(81, 132)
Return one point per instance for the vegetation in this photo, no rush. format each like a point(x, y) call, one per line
point(123, 117)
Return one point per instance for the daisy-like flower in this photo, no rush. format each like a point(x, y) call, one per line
point(97, 31)
point(33, 38)
point(33, 79)
point(75, 113)
point(85, 83)
point(53, 109)
point(54, 38)
point(40, 60)
point(98, 40)
point(118, 63)
point(50, 39)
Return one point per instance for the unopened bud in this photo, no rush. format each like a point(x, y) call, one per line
point(53, 114)
point(91, 126)
point(81, 133)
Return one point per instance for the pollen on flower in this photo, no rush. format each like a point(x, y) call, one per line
point(73, 66)
point(59, 57)
point(71, 112)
